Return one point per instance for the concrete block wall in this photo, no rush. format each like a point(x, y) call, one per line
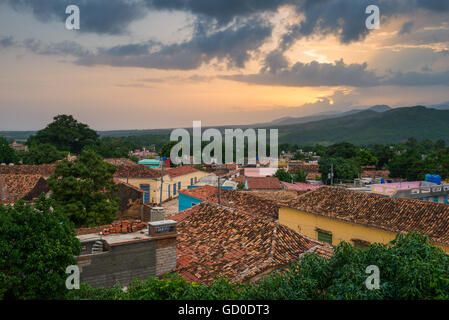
point(120, 264)
point(165, 256)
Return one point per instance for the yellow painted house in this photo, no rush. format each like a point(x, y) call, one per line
point(334, 215)
point(149, 180)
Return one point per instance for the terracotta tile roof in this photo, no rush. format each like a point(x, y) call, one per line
point(21, 186)
point(120, 161)
point(246, 201)
point(217, 241)
point(376, 173)
point(300, 186)
point(277, 196)
point(201, 193)
point(259, 183)
point(305, 167)
point(44, 170)
point(393, 215)
point(136, 171)
point(180, 171)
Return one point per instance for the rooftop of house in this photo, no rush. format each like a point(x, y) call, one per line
point(393, 215)
point(136, 171)
point(16, 186)
point(201, 193)
point(44, 170)
point(180, 171)
point(376, 173)
point(259, 183)
point(246, 201)
point(218, 241)
point(299, 186)
point(277, 196)
point(116, 238)
point(120, 161)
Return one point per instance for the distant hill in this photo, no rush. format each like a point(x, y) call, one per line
point(378, 124)
point(442, 106)
point(370, 127)
point(322, 116)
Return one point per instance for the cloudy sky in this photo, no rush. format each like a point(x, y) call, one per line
point(142, 64)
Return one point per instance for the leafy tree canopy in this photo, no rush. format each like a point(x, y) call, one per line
point(344, 169)
point(343, 150)
point(7, 154)
point(41, 154)
point(109, 147)
point(366, 158)
point(283, 175)
point(37, 244)
point(84, 190)
point(66, 134)
point(166, 149)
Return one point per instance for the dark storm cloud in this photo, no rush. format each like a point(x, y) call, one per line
point(99, 16)
point(418, 79)
point(406, 27)
point(345, 18)
point(65, 48)
point(233, 44)
point(6, 42)
point(134, 49)
point(222, 11)
point(315, 74)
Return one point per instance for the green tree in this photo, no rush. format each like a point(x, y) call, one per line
point(301, 176)
point(109, 147)
point(366, 158)
point(41, 154)
point(283, 175)
point(7, 154)
point(66, 134)
point(383, 154)
point(84, 190)
point(299, 156)
point(37, 244)
point(166, 149)
point(343, 150)
point(412, 166)
point(344, 169)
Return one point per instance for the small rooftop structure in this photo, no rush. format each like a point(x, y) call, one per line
point(212, 180)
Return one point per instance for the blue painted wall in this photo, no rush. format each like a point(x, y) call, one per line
point(186, 202)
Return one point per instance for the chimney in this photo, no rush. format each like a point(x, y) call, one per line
point(164, 235)
point(157, 214)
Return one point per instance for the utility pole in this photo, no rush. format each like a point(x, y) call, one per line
point(162, 179)
point(219, 195)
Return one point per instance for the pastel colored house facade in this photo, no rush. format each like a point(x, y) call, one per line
point(334, 215)
point(414, 190)
point(149, 180)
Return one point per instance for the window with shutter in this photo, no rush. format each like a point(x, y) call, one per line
point(324, 237)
